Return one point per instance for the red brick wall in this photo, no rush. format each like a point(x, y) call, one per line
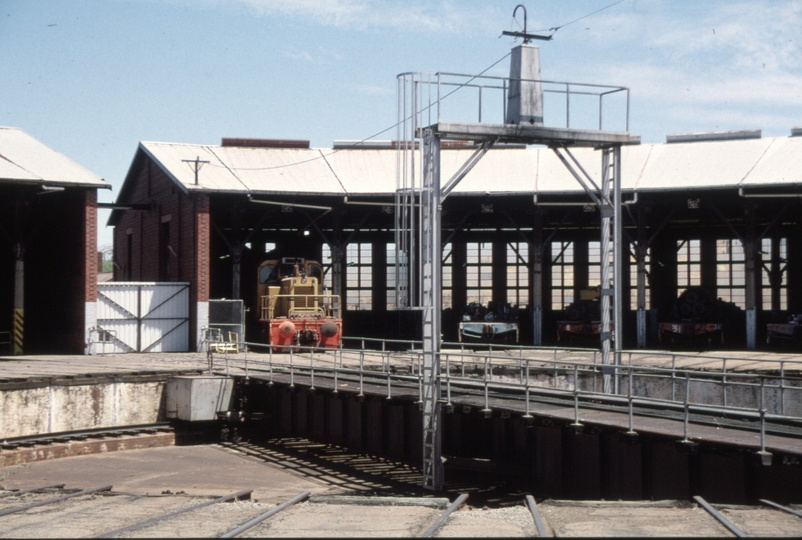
point(90, 246)
point(152, 185)
point(202, 249)
point(189, 235)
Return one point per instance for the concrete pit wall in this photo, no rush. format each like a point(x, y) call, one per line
point(38, 408)
point(548, 458)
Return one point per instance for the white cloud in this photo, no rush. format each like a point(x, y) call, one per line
point(321, 56)
point(370, 89)
point(741, 35)
point(413, 16)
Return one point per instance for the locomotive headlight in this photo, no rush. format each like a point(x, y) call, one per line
point(287, 328)
point(329, 329)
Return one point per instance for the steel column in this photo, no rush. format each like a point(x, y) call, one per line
point(18, 327)
point(618, 258)
point(607, 216)
point(537, 278)
point(641, 249)
point(431, 303)
point(752, 268)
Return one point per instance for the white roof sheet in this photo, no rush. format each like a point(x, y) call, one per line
point(258, 170)
point(700, 164)
point(659, 167)
point(24, 159)
point(364, 172)
point(781, 163)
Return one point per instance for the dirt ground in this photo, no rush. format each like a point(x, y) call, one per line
point(153, 482)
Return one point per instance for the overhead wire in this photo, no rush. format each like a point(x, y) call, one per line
point(357, 143)
point(554, 29)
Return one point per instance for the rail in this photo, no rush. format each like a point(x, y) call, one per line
point(54, 500)
point(770, 400)
point(243, 494)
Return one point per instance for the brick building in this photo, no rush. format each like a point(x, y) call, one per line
point(209, 214)
point(48, 247)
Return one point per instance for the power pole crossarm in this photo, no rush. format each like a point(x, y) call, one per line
point(196, 164)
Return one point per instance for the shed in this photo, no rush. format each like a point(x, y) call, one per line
point(207, 214)
point(48, 260)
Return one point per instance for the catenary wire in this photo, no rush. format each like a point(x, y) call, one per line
point(356, 144)
point(554, 29)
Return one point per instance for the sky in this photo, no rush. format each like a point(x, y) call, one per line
point(92, 78)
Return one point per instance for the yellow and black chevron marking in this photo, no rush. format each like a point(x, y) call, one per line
point(19, 326)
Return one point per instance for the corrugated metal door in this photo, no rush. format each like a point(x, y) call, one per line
point(144, 317)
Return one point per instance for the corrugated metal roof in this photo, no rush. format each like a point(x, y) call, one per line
point(258, 170)
point(364, 171)
point(701, 164)
point(24, 159)
point(780, 164)
point(658, 167)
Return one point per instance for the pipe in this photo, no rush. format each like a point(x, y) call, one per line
point(368, 203)
point(769, 195)
point(778, 507)
point(260, 518)
point(244, 494)
point(14, 493)
point(541, 527)
point(57, 499)
point(444, 516)
point(634, 200)
point(715, 513)
point(295, 205)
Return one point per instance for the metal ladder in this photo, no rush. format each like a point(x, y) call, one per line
point(431, 252)
point(610, 276)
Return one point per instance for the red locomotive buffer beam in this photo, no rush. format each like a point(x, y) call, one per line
point(578, 328)
point(689, 330)
point(292, 308)
point(306, 332)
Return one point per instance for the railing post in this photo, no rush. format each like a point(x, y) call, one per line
point(270, 364)
point(361, 370)
point(292, 371)
point(449, 406)
point(527, 415)
point(687, 406)
point(577, 425)
point(673, 374)
point(335, 391)
point(762, 416)
point(782, 387)
point(389, 383)
point(486, 411)
point(630, 398)
point(245, 349)
point(312, 369)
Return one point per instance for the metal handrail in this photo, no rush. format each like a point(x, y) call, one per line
point(384, 368)
point(447, 83)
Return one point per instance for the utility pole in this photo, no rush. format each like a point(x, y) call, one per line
point(197, 164)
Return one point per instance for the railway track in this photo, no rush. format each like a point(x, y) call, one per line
point(14, 443)
point(109, 514)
